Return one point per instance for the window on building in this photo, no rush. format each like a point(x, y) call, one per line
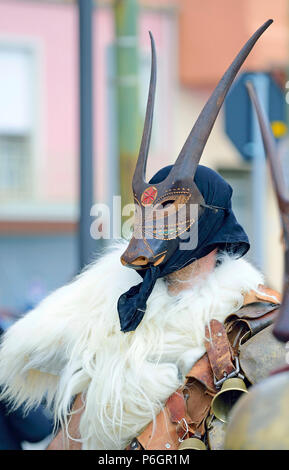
point(16, 121)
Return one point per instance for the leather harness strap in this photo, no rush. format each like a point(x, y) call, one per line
point(186, 410)
point(202, 372)
point(264, 294)
point(160, 435)
point(218, 349)
point(176, 405)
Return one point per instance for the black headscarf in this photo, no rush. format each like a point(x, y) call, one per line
point(217, 228)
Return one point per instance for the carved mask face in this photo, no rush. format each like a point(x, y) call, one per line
point(167, 210)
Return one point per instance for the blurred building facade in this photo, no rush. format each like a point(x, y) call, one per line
point(39, 120)
point(210, 34)
point(39, 135)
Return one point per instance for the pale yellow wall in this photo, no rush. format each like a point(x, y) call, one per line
point(274, 249)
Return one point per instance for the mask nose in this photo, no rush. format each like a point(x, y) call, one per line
point(138, 255)
point(141, 261)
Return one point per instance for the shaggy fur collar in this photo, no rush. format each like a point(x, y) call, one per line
point(72, 343)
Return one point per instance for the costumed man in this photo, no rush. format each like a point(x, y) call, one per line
point(260, 421)
point(145, 359)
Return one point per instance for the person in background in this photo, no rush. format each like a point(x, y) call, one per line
point(17, 427)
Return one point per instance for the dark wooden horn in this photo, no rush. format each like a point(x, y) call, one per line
point(140, 170)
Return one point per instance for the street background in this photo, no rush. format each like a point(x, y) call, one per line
point(40, 121)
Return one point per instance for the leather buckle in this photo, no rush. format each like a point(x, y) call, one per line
point(234, 373)
point(186, 429)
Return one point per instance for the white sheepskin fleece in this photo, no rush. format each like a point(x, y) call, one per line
point(72, 343)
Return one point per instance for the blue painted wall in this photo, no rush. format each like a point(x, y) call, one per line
point(32, 266)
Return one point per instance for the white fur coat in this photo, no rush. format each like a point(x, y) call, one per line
point(72, 343)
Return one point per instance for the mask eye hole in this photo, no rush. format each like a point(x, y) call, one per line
point(166, 204)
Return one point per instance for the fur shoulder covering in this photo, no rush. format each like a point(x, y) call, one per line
point(72, 343)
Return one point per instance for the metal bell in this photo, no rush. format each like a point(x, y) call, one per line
point(226, 398)
point(260, 420)
point(192, 443)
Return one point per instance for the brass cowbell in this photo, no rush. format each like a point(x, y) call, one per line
point(192, 443)
point(226, 398)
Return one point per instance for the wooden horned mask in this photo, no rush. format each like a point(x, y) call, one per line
point(164, 210)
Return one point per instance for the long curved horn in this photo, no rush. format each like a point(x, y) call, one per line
point(140, 170)
point(281, 328)
point(192, 150)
